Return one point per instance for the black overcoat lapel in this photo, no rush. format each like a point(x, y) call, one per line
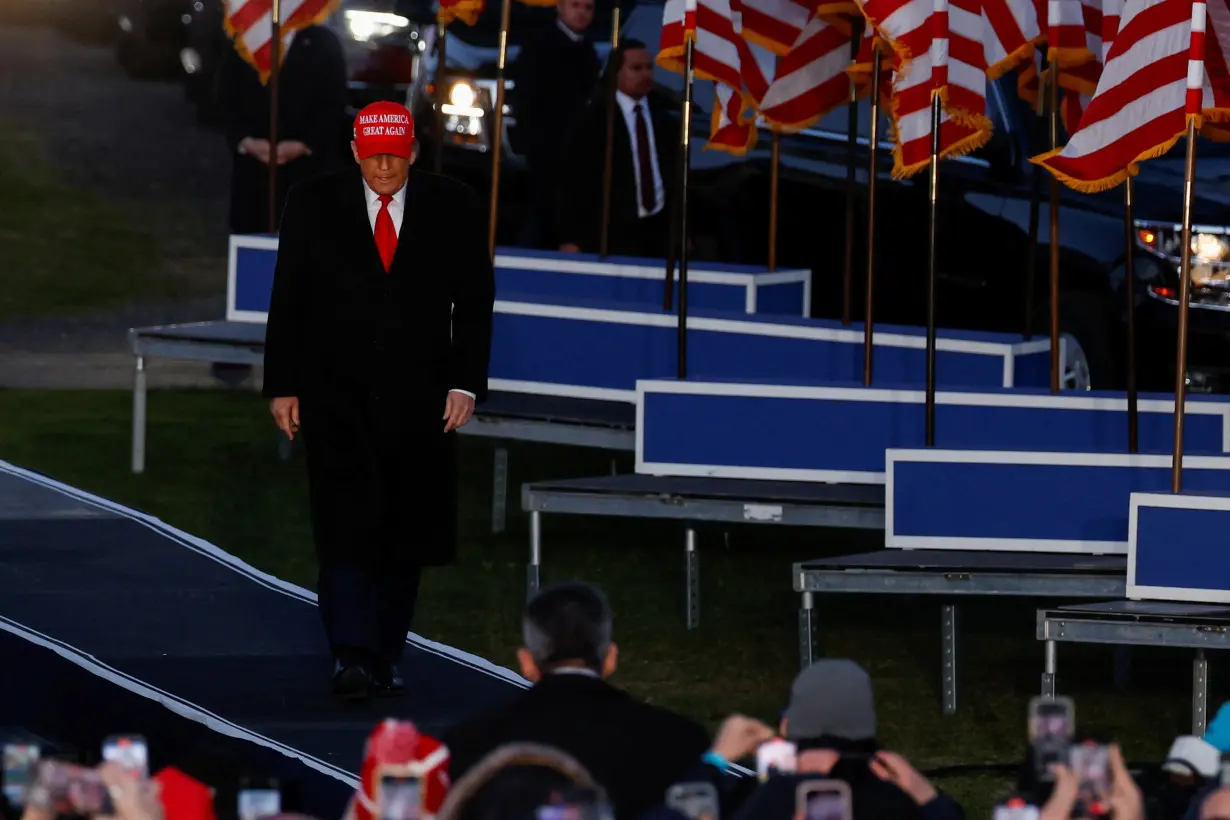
point(354, 204)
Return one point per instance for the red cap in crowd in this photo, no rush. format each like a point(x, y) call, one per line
point(396, 748)
point(184, 797)
point(384, 128)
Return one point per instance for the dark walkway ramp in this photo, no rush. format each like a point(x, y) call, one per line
point(146, 614)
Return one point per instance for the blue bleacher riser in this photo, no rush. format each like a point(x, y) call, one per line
point(639, 282)
point(620, 280)
point(597, 350)
point(840, 433)
point(1027, 501)
point(1177, 546)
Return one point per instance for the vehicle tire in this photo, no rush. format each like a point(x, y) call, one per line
point(1087, 320)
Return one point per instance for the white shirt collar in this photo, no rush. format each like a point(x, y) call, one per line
point(576, 670)
point(373, 198)
point(630, 105)
point(572, 35)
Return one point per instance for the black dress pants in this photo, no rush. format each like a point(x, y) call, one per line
point(368, 606)
point(367, 613)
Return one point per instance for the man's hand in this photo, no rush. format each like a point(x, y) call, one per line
point(133, 798)
point(285, 412)
point(739, 737)
point(1063, 795)
point(458, 410)
point(292, 150)
point(569, 247)
point(896, 769)
point(257, 148)
point(1126, 801)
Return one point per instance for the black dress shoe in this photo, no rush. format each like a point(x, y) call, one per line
point(387, 682)
point(351, 682)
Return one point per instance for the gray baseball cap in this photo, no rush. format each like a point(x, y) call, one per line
point(831, 698)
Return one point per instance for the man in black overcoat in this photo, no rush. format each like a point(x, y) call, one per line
point(555, 73)
point(311, 112)
point(377, 347)
point(645, 146)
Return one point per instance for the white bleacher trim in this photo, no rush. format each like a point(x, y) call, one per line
point(177, 705)
point(190, 710)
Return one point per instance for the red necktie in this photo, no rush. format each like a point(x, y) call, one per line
point(386, 234)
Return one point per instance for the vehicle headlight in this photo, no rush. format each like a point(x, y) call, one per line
point(1210, 249)
point(462, 95)
point(366, 26)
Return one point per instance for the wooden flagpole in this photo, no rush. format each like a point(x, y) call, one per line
point(1056, 363)
point(441, 90)
point(275, 58)
point(873, 146)
point(1129, 286)
point(497, 131)
point(933, 235)
point(682, 238)
point(1185, 294)
point(608, 157)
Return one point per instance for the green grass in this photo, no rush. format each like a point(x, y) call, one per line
point(64, 250)
point(212, 471)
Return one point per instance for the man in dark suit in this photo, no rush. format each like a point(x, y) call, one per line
point(554, 74)
point(311, 107)
point(634, 750)
point(645, 144)
point(377, 348)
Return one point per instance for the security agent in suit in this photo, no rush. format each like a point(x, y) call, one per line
point(645, 144)
point(377, 347)
point(634, 750)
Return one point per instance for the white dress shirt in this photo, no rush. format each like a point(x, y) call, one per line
point(629, 106)
point(397, 211)
point(572, 35)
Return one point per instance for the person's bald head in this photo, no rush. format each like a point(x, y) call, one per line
point(1216, 806)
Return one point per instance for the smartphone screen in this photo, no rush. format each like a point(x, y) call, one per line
point(1091, 764)
point(1017, 813)
point(259, 803)
point(696, 801)
point(823, 800)
point(775, 757)
point(1050, 732)
point(129, 751)
point(400, 798)
point(826, 806)
point(20, 770)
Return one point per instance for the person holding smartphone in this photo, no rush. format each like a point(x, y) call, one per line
point(831, 720)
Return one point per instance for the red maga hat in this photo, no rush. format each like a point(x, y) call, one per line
point(384, 128)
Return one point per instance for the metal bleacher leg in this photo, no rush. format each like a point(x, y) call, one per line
point(948, 664)
point(1048, 672)
point(138, 416)
point(807, 630)
point(532, 580)
point(499, 493)
point(1200, 693)
point(691, 578)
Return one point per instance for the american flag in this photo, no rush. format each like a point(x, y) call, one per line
point(939, 46)
point(250, 24)
point(1161, 70)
